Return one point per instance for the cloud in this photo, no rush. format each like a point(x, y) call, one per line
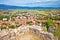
point(31, 2)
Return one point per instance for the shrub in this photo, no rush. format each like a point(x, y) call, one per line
point(11, 26)
point(2, 28)
point(30, 23)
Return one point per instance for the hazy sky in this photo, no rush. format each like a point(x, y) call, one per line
point(32, 3)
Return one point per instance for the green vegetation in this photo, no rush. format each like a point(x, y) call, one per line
point(1, 17)
point(18, 25)
point(49, 23)
point(57, 33)
point(11, 26)
point(14, 15)
point(30, 23)
point(55, 18)
point(2, 28)
point(39, 18)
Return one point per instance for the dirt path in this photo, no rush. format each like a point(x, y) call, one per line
point(28, 36)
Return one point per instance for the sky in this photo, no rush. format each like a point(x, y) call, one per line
point(32, 3)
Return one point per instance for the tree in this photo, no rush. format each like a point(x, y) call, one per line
point(1, 17)
point(49, 23)
point(11, 26)
point(30, 23)
point(2, 28)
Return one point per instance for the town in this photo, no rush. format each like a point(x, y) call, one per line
point(48, 20)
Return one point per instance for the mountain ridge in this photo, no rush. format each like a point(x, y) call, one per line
point(4, 6)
